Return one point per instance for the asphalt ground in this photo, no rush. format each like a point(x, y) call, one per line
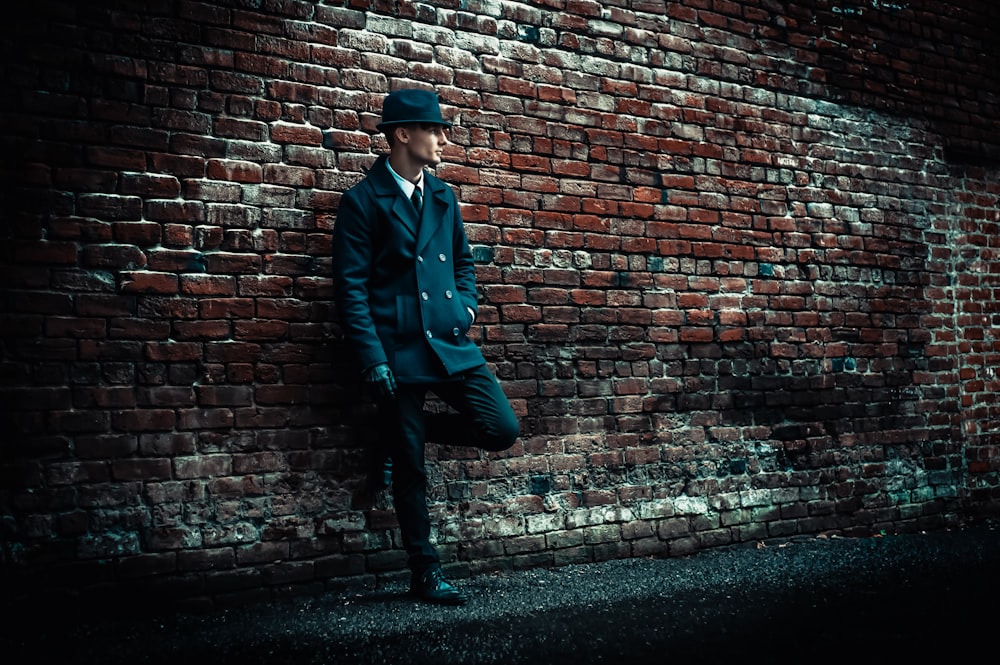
point(910, 598)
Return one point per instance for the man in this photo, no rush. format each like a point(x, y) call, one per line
point(406, 290)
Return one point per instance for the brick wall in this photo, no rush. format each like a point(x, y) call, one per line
point(739, 266)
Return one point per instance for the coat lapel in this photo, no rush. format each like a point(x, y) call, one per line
point(389, 192)
point(435, 209)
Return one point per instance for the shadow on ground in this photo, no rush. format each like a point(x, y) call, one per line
point(889, 599)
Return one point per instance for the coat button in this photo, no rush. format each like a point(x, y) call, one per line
point(456, 332)
point(424, 295)
point(442, 257)
point(447, 294)
point(429, 334)
point(420, 259)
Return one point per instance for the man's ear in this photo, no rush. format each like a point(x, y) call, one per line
point(402, 133)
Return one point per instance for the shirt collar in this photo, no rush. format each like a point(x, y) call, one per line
point(405, 184)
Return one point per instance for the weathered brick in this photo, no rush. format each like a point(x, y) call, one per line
point(722, 312)
point(149, 282)
point(235, 171)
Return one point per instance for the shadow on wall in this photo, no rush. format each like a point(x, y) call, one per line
point(870, 54)
point(837, 394)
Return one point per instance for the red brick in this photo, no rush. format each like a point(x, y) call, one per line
point(662, 263)
point(234, 171)
point(149, 282)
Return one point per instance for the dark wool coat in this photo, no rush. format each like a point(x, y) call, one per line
point(404, 285)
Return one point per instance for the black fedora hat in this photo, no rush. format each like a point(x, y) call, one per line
point(410, 105)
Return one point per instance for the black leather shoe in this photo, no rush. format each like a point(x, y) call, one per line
point(431, 586)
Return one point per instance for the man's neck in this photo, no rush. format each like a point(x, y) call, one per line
point(406, 168)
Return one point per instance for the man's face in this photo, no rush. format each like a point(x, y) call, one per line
point(425, 143)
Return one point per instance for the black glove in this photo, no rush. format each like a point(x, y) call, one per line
point(380, 379)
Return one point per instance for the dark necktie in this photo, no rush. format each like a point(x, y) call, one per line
point(417, 199)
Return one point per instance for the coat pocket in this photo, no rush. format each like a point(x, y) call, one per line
point(408, 325)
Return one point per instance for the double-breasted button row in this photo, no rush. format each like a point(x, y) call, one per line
point(426, 296)
point(454, 331)
point(449, 294)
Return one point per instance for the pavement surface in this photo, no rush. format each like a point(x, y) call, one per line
point(920, 597)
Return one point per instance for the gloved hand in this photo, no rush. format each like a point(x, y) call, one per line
point(380, 379)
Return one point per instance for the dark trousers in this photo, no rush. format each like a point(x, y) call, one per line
point(482, 418)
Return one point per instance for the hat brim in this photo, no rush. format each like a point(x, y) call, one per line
point(393, 123)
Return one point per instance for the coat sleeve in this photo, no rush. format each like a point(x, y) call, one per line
point(353, 261)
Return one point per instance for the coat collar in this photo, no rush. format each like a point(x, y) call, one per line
point(389, 193)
